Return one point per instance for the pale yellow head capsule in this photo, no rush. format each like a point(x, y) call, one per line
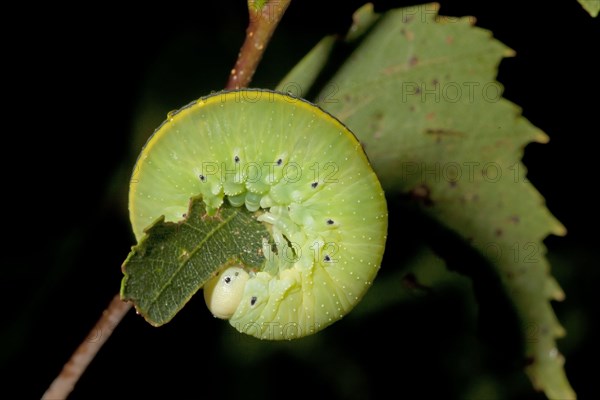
point(223, 293)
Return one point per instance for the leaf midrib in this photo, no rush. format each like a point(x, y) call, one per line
point(209, 235)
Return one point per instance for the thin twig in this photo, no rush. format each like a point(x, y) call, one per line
point(264, 18)
point(63, 384)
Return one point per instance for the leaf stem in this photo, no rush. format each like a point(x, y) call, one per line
point(63, 384)
point(264, 18)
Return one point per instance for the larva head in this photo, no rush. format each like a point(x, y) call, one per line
point(223, 293)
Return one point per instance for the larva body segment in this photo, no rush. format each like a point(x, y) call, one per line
point(307, 176)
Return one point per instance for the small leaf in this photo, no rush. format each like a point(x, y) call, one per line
point(422, 271)
point(304, 74)
point(362, 20)
point(591, 6)
point(300, 78)
point(174, 260)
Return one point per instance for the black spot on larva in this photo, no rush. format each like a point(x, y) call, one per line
point(237, 273)
point(274, 248)
point(327, 258)
point(253, 300)
point(184, 215)
point(314, 184)
point(202, 178)
point(236, 159)
point(227, 279)
point(329, 222)
point(279, 162)
point(290, 245)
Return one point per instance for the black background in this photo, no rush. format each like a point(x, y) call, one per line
point(75, 81)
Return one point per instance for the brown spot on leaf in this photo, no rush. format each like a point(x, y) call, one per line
point(413, 61)
point(498, 232)
point(529, 361)
point(469, 197)
point(443, 132)
point(376, 127)
point(449, 39)
point(430, 116)
point(422, 194)
point(410, 282)
point(216, 217)
point(514, 219)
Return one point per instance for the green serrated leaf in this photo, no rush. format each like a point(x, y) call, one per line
point(174, 260)
point(591, 6)
point(420, 93)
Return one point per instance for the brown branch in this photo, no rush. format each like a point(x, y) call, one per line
point(264, 18)
point(63, 384)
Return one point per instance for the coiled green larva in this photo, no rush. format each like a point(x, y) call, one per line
point(310, 182)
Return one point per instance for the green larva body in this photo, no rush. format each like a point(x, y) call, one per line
point(303, 171)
